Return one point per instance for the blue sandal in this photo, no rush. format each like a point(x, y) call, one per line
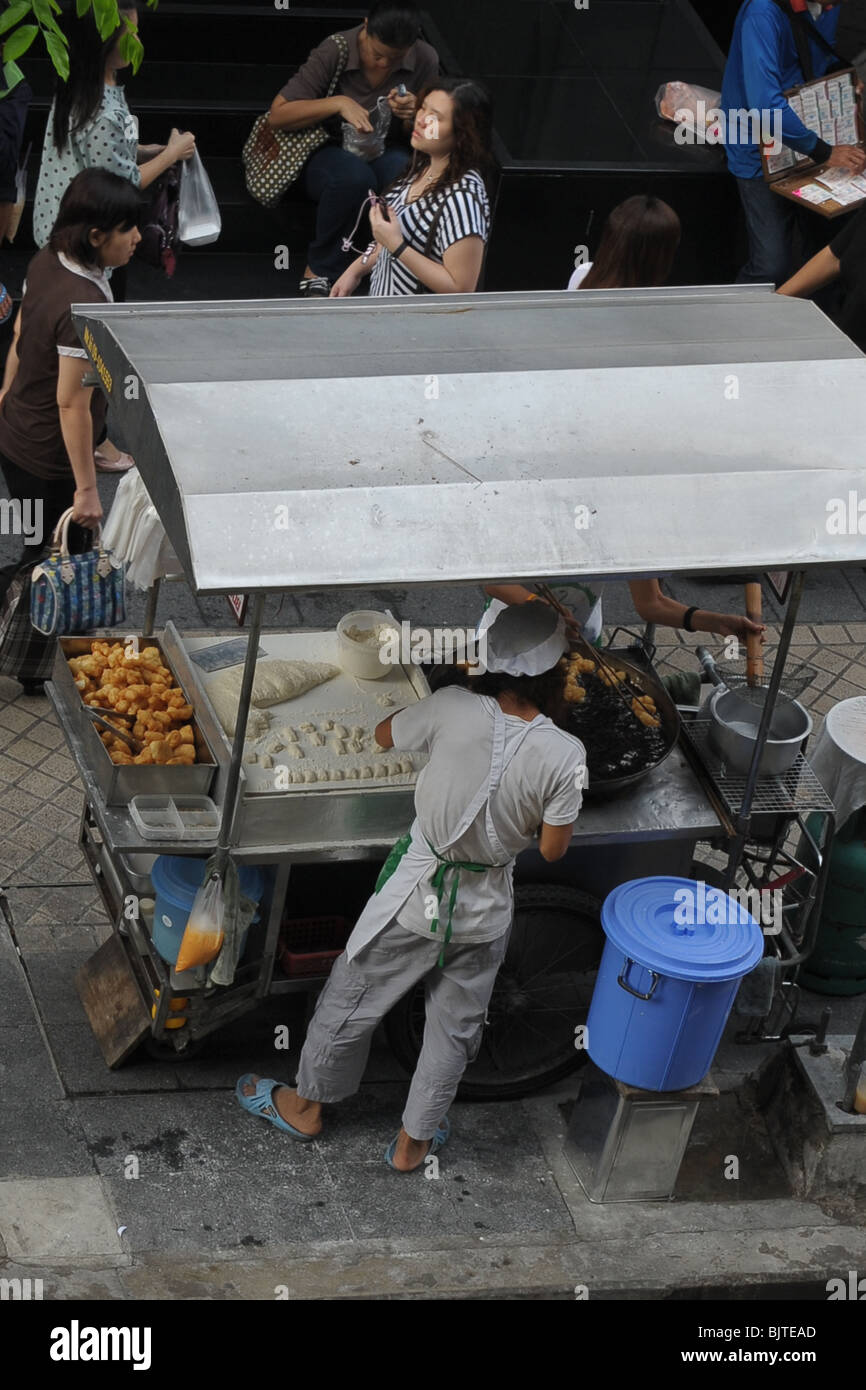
point(441, 1137)
point(261, 1104)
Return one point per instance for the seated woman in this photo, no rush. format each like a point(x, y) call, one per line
point(637, 248)
point(500, 773)
point(432, 235)
point(49, 419)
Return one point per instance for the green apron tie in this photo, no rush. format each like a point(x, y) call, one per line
point(437, 881)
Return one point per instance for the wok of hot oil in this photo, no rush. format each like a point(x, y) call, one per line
point(616, 744)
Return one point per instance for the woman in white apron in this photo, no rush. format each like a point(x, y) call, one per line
point(500, 772)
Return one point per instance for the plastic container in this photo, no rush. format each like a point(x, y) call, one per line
point(175, 817)
point(667, 980)
point(176, 880)
point(310, 945)
point(362, 659)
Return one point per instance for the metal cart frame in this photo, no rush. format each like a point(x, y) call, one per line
point(649, 438)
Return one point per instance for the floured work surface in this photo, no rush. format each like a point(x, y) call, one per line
point(323, 739)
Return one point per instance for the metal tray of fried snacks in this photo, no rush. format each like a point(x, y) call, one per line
point(119, 783)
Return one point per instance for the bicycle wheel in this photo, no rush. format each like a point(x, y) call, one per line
point(541, 996)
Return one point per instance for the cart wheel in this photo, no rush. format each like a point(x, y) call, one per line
point(162, 1051)
point(541, 996)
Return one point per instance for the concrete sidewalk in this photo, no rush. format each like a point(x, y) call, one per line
point(150, 1182)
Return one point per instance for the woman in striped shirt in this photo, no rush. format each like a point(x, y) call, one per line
point(431, 236)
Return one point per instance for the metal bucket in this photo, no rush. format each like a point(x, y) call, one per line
point(734, 729)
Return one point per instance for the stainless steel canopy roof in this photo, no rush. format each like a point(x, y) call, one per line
point(307, 444)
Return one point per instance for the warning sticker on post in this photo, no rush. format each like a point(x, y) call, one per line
point(238, 605)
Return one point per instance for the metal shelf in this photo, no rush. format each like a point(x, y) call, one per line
point(797, 791)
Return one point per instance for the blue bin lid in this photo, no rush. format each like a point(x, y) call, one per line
point(183, 874)
point(661, 923)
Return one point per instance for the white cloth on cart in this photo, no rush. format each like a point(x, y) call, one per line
point(839, 757)
point(135, 534)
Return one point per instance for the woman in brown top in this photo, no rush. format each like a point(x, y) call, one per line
point(49, 420)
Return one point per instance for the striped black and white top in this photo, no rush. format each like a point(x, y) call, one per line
point(461, 209)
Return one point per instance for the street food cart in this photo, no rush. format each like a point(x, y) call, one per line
point(381, 444)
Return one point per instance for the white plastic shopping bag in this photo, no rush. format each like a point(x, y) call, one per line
point(198, 215)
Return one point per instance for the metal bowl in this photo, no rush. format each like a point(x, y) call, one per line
point(734, 728)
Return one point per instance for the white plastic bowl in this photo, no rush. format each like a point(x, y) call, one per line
point(358, 658)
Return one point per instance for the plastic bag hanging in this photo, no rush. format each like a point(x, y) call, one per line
point(204, 934)
point(199, 221)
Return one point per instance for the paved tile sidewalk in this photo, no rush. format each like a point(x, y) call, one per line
point(213, 1200)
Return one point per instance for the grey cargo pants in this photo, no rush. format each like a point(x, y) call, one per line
point(360, 992)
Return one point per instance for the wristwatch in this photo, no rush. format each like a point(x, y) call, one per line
point(400, 249)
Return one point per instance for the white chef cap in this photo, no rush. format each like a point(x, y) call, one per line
point(525, 639)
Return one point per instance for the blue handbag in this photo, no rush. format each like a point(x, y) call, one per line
point(74, 593)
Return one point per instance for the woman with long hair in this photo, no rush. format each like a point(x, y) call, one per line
point(91, 126)
point(431, 227)
point(637, 248)
point(48, 418)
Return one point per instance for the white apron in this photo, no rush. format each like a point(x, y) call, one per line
point(419, 860)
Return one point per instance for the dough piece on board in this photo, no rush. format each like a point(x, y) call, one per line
point(288, 734)
point(340, 730)
point(366, 773)
point(294, 750)
point(275, 681)
point(336, 746)
point(225, 705)
point(316, 740)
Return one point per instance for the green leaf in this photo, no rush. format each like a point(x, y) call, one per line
point(59, 54)
point(19, 42)
point(132, 50)
point(12, 75)
point(41, 9)
point(81, 7)
point(14, 15)
point(107, 17)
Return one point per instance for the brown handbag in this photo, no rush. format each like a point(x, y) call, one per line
point(274, 158)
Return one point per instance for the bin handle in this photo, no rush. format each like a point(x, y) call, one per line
point(628, 989)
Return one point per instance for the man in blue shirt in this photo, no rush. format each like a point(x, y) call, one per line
point(764, 62)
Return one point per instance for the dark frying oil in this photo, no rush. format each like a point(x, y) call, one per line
point(616, 743)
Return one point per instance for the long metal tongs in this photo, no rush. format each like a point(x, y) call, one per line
point(613, 680)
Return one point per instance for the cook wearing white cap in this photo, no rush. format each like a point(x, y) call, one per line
point(499, 773)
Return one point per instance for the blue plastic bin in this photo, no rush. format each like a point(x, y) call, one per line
point(176, 880)
point(666, 984)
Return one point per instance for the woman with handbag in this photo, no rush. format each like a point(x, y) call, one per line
point(432, 226)
point(48, 418)
point(91, 126)
point(333, 122)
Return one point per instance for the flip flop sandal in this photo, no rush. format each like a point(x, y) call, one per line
point(441, 1137)
point(121, 464)
point(261, 1104)
point(317, 287)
